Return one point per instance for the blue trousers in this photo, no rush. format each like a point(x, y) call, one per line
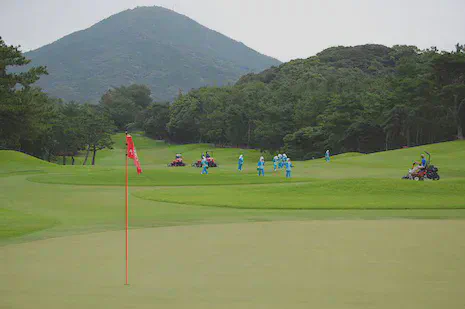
point(261, 172)
point(239, 167)
point(288, 174)
point(205, 170)
point(327, 159)
point(274, 166)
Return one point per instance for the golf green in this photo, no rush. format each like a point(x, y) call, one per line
point(314, 264)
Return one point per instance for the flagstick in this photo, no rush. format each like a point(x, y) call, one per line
point(127, 213)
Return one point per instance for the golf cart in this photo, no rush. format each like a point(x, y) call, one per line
point(178, 161)
point(210, 160)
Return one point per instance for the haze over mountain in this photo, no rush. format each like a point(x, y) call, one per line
point(147, 45)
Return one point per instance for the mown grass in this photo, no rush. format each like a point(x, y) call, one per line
point(62, 200)
point(15, 223)
point(340, 194)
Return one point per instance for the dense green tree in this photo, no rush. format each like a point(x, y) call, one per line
point(97, 128)
point(363, 98)
point(25, 112)
point(155, 120)
point(449, 69)
point(69, 130)
point(34, 123)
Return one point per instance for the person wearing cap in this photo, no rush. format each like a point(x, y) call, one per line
point(423, 161)
point(327, 157)
point(240, 162)
point(275, 162)
point(289, 167)
point(261, 166)
point(204, 166)
point(419, 165)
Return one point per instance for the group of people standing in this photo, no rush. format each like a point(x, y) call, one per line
point(279, 161)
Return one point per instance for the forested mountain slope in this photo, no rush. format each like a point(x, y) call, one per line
point(147, 45)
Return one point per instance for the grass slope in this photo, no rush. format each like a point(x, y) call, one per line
point(62, 200)
point(13, 162)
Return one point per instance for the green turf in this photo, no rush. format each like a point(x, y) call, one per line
point(47, 200)
point(341, 194)
point(305, 247)
point(15, 223)
point(181, 176)
point(13, 162)
point(350, 264)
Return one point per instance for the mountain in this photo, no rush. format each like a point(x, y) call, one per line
point(146, 45)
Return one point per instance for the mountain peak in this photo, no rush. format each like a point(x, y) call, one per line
point(148, 45)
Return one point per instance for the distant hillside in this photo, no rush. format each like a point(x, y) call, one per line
point(147, 45)
point(369, 59)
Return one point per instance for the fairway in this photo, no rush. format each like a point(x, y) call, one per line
point(344, 234)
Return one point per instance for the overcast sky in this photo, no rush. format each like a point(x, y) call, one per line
point(284, 29)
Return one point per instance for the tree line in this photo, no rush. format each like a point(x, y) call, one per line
point(365, 98)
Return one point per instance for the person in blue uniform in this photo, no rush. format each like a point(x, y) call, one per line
point(240, 162)
point(275, 162)
point(289, 167)
point(261, 167)
point(327, 156)
point(204, 166)
point(284, 160)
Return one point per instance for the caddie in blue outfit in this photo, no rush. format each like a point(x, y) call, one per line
point(261, 167)
point(275, 162)
point(280, 161)
point(289, 167)
point(204, 166)
point(240, 162)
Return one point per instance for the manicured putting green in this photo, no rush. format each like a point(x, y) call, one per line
point(317, 264)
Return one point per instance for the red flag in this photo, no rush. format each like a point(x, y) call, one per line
point(132, 153)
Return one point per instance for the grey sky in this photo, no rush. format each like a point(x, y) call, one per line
point(284, 29)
